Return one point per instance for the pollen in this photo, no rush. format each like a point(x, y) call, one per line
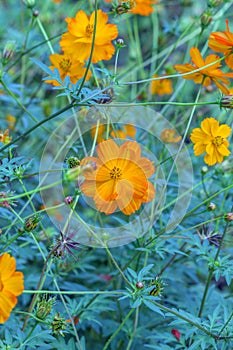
point(218, 141)
point(89, 30)
point(115, 173)
point(65, 65)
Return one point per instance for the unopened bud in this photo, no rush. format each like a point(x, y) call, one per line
point(206, 18)
point(68, 200)
point(226, 101)
point(120, 43)
point(8, 52)
point(35, 13)
point(204, 170)
point(58, 325)
point(29, 3)
point(31, 223)
point(140, 285)
point(73, 162)
point(211, 207)
point(228, 217)
point(44, 307)
point(214, 3)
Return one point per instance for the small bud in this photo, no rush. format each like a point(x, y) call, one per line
point(140, 285)
point(228, 217)
point(204, 170)
point(120, 43)
point(211, 207)
point(123, 7)
point(58, 325)
point(29, 3)
point(176, 334)
point(206, 18)
point(226, 101)
point(44, 307)
point(8, 52)
point(72, 174)
point(31, 223)
point(35, 13)
point(73, 162)
point(214, 3)
point(68, 200)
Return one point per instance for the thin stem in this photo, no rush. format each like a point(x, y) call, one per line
point(116, 265)
point(118, 329)
point(40, 25)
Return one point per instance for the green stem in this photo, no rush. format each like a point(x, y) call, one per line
point(212, 271)
point(118, 329)
point(86, 292)
point(40, 25)
point(116, 265)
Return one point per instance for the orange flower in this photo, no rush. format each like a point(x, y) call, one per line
point(122, 132)
point(168, 136)
point(143, 7)
point(11, 285)
point(78, 39)
point(67, 66)
point(161, 87)
point(119, 177)
point(210, 138)
point(205, 75)
point(57, 1)
point(223, 42)
point(4, 137)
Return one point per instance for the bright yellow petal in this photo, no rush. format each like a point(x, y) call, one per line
point(210, 148)
point(196, 57)
point(223, 150)
point(223, 130)
point(198, 135)
point(210, 159)
point(15, 283)
point(209, 125)
point(77, 26)
point(199, 148)
point(108, 150)
point(7, 266)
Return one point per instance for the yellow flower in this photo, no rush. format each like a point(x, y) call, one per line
point(78, 39)
point(67, 66)
point(210, 138)
point(161, 87)
point(223, 42)
point(205, 75)
point(119, 177)
point(4, 137)
point(11, 285)
point(168, 136)
point(11, 120)
point(122, 132)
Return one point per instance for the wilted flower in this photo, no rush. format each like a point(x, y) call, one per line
point(65, 244)
point(169, 136)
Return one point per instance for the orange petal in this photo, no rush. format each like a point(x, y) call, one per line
point(15, 283)
point(7, 303)
point(7, 266)
point(107, 150)
point(196, 57)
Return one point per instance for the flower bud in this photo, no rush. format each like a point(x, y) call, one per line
point(206, 18)
point(68, 200)
point(35, 13)
point(31, 223)
point(226, 101)
point(228, 217)
point(4, 137)
point(29, 3)
point(44, 307)
point(214, 3)
point(58, 325)
point(204, 170)
point(139, 285)
point(211, 207)
point(120, 43)
point(8, 51)
point(73, 162)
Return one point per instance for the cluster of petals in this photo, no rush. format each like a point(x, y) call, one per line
point(205, 75)
point(161, 87)
point(210, 138)
point(120, 131)
point(118, 177)
point(78, 40)
point(223, 42)
point(11, 285)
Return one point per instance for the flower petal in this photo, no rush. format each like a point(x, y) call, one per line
point(7, 266)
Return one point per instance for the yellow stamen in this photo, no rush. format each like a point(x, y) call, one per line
point(115, 173)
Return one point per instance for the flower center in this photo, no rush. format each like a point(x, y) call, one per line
point(115, 173)
point(217, 141)
point(89, 30)
point(65, 64)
